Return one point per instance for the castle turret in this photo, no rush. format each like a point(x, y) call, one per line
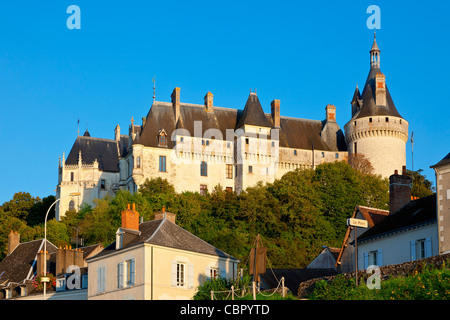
point(376, 129)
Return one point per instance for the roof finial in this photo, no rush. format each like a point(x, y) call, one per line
point(154, 88)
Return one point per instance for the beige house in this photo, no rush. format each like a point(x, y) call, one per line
point(155, 260)
point(442, 170)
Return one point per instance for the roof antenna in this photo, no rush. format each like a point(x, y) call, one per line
point(154, 88)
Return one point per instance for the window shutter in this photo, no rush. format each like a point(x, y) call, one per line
point(380, 257)
point(120, 275)
point(207, 273)
point(190, 276)
point(99, 280)
point(174, 274)
point(104, 279)
point(366, 260)
point(427, 247)
point(133, 271)
point(223, 273)
point(412, 245)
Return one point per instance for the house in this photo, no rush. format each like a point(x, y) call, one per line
point(25, 260)
point(408, 233)
point(155, 260)
point(345, 261)
point(442, 170)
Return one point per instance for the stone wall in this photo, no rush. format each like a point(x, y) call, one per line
point(402, 269)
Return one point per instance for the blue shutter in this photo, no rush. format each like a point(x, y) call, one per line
point(428, 247)
point(133, 271)
point(366, 260)
point(120, 275)
point(380, 257)
point(99, 279)
point(412, 245)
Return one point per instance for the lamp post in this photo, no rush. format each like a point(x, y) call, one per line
point(73, 194)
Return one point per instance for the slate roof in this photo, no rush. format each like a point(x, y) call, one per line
point(372, 215)
point(293, 277)
point(294, 132)
point(445, 160)
point(16, 266)
point(415, 213)
point(163, 232)
point(369, 107)
point(104, 150)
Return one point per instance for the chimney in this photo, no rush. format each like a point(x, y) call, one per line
point(380, 89)
point(275, 110)
point(13, 241)
point(167, 215)
point(66, 257)
point(40, 262)
point(130, 218)
point(209, 102)
point(176, 104)
point(399, 190)
point(331, 113)
point(117, 133)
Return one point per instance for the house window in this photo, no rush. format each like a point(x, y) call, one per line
point(71, 176)
point(373, 258)
point(181, 272)
point(61, 284)
point(214, 273)
point(420, 249)
point(138, 162)
point(229, 189)
point(126, 272)
point(203, 189)
point(323, 154)
point(250, 169)
point(229, 171)
point(101, 279)
point(204, 169)
point(162, 163)
point(102, 184)
point(336, 155)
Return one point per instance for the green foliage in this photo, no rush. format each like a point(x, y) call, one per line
point(430, 283)
point(295, 215)
point(422, 187)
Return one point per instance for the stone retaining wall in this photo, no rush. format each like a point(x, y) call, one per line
point(402, 269)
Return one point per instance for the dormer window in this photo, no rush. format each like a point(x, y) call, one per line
point(162, 138)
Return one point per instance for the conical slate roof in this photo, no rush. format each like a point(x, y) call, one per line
point(253, 113)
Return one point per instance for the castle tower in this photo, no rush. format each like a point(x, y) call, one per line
point(376, 130)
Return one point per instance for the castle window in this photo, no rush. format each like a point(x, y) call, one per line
point(323, 154)
point(354, 123)
point(162, 164)
point(229, 171)
point(71, 176)
point(228, 145)
point(336, 155)
point(370, 119)
point(273, 144)
point(204, 169)
point(181, 140)
point(102, 184)
point(71, 205)
point(387, 119)
point(138, 162)
point(250, 169)
point(162, 142)
point(246, 140)
point(355, 148)
point(295, 152)
point(203, 189)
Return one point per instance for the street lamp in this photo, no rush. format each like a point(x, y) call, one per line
point(46, 279)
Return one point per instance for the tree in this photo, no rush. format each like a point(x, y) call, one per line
point(359, 162)
point(20, 205)
point(421, 186)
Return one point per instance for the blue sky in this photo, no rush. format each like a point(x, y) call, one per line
point(307, 54)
